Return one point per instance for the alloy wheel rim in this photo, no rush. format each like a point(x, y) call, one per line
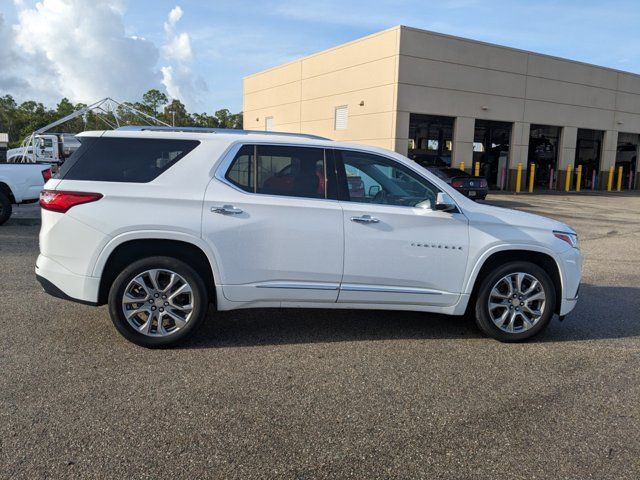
point(158, 302)
point(516, 302)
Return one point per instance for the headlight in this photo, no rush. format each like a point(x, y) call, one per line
point(570, 237)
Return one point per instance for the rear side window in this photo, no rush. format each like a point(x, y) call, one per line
point(241, 171)
point(291, 171)
point(133, 160)
point(283, 170)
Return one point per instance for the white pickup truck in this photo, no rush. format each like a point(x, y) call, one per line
point(20, 183)
point(46, 148)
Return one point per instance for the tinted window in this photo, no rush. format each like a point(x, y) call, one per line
point(374, 179)
point(291, 171)
point(133, 160)
point(240, 172)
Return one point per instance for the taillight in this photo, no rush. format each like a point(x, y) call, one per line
point(483, 183)
point(456, 184)
point(62, 201)
point(46, 174)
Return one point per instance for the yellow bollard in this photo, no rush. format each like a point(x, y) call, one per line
point(620, 178)
point(518, 177)
point(477, 169)
point(532, 176)
point(610, 179)
point(567, 180)
point(578, 178)
point(461, 166)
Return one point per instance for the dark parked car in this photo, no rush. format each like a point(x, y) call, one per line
point(472, 187)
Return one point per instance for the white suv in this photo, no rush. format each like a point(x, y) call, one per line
point(159, 223)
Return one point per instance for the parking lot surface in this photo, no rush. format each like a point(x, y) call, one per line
point(311, 394)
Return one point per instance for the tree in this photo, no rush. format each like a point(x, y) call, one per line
point(176, 114)
point(153, 100)
point(20, 120)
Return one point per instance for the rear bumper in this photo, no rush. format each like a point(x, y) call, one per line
point(60, 282)
point(480, 193)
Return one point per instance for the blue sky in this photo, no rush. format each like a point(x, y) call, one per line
point(203, 49)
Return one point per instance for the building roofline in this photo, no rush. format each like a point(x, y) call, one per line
point(443, 35)
point(322, 52)
point(514, 49)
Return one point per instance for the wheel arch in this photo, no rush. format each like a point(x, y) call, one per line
point(124, 250)
point(6, 189)
point(541, 257)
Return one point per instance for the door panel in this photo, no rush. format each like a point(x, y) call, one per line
point(397, 248)
point(271, 247)
point(411, 255)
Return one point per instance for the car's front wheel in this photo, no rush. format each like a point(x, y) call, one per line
point(515, 301)
point(157, 301)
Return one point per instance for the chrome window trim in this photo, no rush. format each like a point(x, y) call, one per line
point(228, 157)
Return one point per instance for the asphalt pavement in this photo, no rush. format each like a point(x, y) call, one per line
point(306, 394)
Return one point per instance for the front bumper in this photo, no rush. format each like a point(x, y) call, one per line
point(571, 276)
point(60, 282)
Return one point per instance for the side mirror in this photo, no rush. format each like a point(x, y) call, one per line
point(444, 203)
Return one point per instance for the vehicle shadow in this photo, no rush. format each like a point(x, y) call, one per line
point(602, 313)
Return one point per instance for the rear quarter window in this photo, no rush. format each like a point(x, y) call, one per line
point(133, 160)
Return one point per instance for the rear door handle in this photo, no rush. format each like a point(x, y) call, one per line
point(365, 219)
point(226, 210)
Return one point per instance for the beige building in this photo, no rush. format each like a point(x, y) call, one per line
point(445, 100)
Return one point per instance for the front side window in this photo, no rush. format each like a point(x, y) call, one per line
point(373, 179)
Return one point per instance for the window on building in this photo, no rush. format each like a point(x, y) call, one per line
point(543, 151)
point(341, 117)
point(268, 124)
point(588, 154)
point(431, 139)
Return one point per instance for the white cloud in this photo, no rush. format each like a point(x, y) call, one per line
point(62, 48)
point(174, 16)
point(177, 76)
point(178, 45)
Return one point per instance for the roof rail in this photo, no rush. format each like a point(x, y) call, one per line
point(140, 128)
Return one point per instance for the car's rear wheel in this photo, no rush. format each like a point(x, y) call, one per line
point(5, 208)
point(157, 301)
point(515, 301)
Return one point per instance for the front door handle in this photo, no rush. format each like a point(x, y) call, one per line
point(365, 219)
point(226, 210)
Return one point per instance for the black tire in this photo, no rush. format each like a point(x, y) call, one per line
point(5, 208)
point(483, 318)
point(199, 300)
